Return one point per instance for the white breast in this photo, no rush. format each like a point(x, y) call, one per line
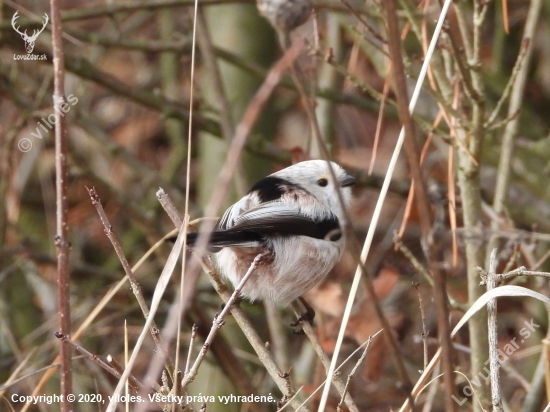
point(297, 264)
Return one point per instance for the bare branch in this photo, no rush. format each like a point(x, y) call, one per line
point(493, 336)
point(62, 205)
point(219, 322)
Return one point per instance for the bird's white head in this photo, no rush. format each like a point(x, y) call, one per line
point(315, 176)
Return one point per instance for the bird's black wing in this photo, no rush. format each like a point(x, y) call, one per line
point(267, 191)
point(272, 218)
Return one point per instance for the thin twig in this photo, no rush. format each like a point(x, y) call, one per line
point(160, 288)
point(513, 258)
point(424, 329)
point(422, 270)
point(169, 76)
point(546, 356)
point(183, 298)
point(219, 322)
point(190, 351)
point(301, 407)
point(350, 375)
point(109, 9)
point(225, 353)
point(521, 271)
point(375, 94)
point(379, 122)
point(541, 261)
point(134, 383)
point(126, 363)
point(62, 205)
point(90, 318)
point(518, 67)
point(516, 100)
point(493, 336)
point(465, 74)
point(136, 288)
point(336, 380)
point(365, 23)
point(428, 403)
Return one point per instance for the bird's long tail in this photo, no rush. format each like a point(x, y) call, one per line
point(225, 238)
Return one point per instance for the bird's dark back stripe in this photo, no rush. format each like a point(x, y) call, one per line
point(290, 226)
point(327, 229)
point(329, 225)
point(270, 188)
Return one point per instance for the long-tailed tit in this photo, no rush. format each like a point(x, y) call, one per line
point(294, 218)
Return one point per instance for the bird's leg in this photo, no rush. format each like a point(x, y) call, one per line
point(307, 316)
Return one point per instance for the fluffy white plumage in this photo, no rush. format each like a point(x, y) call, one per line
point(292, 215)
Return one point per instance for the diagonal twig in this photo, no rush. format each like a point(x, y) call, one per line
point(219, 322)
point(136, 288)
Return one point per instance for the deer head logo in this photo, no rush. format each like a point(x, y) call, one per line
point(29, 40)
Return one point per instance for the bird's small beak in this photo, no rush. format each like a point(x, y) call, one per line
point(348, 181)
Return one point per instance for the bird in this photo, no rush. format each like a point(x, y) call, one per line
point(294, 219)
point(285, 15)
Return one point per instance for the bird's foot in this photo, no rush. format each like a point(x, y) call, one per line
point(307, 316)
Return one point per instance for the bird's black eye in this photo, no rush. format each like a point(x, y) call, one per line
point(322, 182)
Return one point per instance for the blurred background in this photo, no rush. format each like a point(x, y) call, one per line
point(128, 85)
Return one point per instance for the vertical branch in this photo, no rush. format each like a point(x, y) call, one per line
point(62, 229)
point(493, 338)
point(468, 180)
point(424, 212)
point(501, 187)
